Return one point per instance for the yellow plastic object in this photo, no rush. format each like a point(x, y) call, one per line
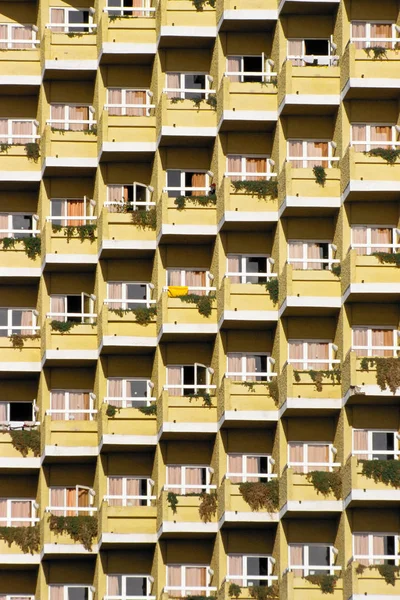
point(174, 291)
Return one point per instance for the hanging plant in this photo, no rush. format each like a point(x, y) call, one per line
point(207, 507)
point(262, 592)
point(18, 340)
point(111, 411)
point(234, 590)
point(272, 287)
point(205, 396)
point(388, 572)
point(387, 371)
point(84, 232)
point(317, 377)
point(200, 4)
point(212, 101)
point(390, 155)
point(62, 326)
point(378, 52)
point(176, 99)
point(261, 188)
point(91, 131)
point(259, 495)
point(382, 471)
point(4, 148)
point(27, 538)
point(272, 386)
point(320, 175)
point(172, 500)
point(326, 482)
point(149, 410)
point(388, 257)
point(81, 529)
point(336, 269)
point(32, 151)
point(145, 219)
point(327, 583)
point(32, 247)
point(24, 440)
point(203, 303)
point(210, 200)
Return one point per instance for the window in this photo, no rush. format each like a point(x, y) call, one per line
point(369, 444)
point(364, 137)
point(129, 586)
point(129, 8)
point(310, 256)
point(184, 580)
point(17, 225)
point(121, 198)
point(187, 380)
point(71, 406)
point(129, 491)
point(197, 281)
point(69, 592)
point(365, 34)
point(249, 467)
point(304, 457)
point(71, 117)
point(72, 307)
point(14, 36)
point(376, 548)
point(17, 413)
point(248, 68)
point(187, 183)
point(303, 154)
point(248, 268)
point(20, 321)
point(71, 20)
point(367, 239)
point(18, 131)
point(311, 355)
point(126, 295)
point(249, 570)
point(188, 479)
point(17, 512)
point(311, 559)
point(246, 366)
point(129, 392)
point(71, 211)
point(375, 341)
point(250, 168)
point(71, 501)
point(189, 86)
point(127, 102)
point(311, 52)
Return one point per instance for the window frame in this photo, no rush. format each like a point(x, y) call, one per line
point(370, 449)
point(207, 288)
point(305, 261)
point(245, 473)
point(306, 567)
point(306, 464)
point(66, 587)
point(11, 231)
point(84, 27)
point(124, 300)
point(374, 144)
point(134, 203)
point(148, 398)
point(182, 90)
point(332, 59)
point(113, 10)
point(371, 557)
point(91, 411)
point(369, 347)
point(304, 158)
point(245, 577)
point(88, 210)
point(305, 360)
point(243, 373)
point(66, 121)
point(124, 105)
point(124, 577)
point(207, 487)
point(243, 173)
point(183, 587)
point(196, 386)
point(7, 521)
point(10, 135)
point(265, 73)
point(182, 189)
point(90, 509)
point(85, 317)
point(368, 40)
point(8, 410)
point(125, 496)
point(243, 273)
point(18, 328)
point(394, 247)
point(10, 41)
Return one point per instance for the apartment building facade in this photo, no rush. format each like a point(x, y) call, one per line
point(199, 225)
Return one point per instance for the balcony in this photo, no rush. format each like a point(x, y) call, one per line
point(126, 137)
point(298, 588)
point(79, 343)
point(192, 220)
point(300, 191)
point(20, 358)
point(366, 278)
point(61, 544)
point(25, 64)
point(12, 555)
point(256, 13)
point(186, 414)
point(357, 382)
point(369, 177)
point(179, 317)
point(127, 524)
point(16, 165)
point(75, 149)
point(69, 51)
point(76, 437)
point(370, 583)
point(240, 402)
point(118, 234)
point(179, 18)
point(299, 495)
point(120, 329)
point(11, 458)
point(300, 392)
point(233, 508)
point(16, 261)
point(186, 517)
point(238, 302)
point(307, 291)
point(363, 76)
point(60, 247)
point(128, 427)
point(304, 86)
point(183, 118)
point(244, 211)
point(118, 37)
point(253, 103)
point(357, 487)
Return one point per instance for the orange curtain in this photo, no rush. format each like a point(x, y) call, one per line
point(75, 208)
point(199, 180)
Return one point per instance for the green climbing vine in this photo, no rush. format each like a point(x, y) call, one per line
point(207, 506)
point(84, 232)
point(210, 200)
point(81, 529)
point(32, 151)
point(149, 410)
point(143, 316)
point(203, 395)
point(264, 592)
point(390, 155)
point(387, 371)
point(32, 245)
point(317, 377)
point(201, 4)
point(203, 303)
point(62, 326)
point(259, 495)
point(388, 257)
point(382, 471)
point(172, 500)
point(327, 583)
point(378, 52)
point(320, 175)
point(145, 219)
point(326, 482)
point(260, 188)
point(272, 386)
point(24, 440)
point(27, 538)
point(272, 287)
point(18, 340)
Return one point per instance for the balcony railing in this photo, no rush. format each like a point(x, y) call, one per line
point(125, 500)
point(206, 487)
point(192, 289)
point(244, 275)
point(124, 107)
point(143, 11)
point(71, 27)
point(378, 559)
point(129, 402)
point(18, 329)
point(68, 511)
point(66, 316)
point(316, 159)
point(369, 145)
point(250, 477)
point(320, 569)
point(371, 351)
point(371, 248)
point(71, 412)
point(129, 206)
point(255, 376)
point(126, 302)
point(71, 219)
point(20, 233)
point(266, 76)
point(184, 591)
point(181, 92)
point(313, 60)
point(313, 466)
point(320, 261)
point(371, 454)
point(381, 42)
point(192, 387)
point(64, 125)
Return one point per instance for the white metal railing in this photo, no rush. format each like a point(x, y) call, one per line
point(12, 42)
point(317, 159)
point(257, 377)
point(376, 42)
point(318, 465)
point(129, 402)
point(265, 75)
point(125, 499)
point(246, 579)
point(8, 138)
point(372, 453)
point(184, 189)
point(66, 27)
point(369, 350)
point(249, 275)
point(126, 301)
point(67, 122)
point(247, 476)
point(134, 204)
point(375, 144)
point(71, 509)
point(66, 315)
point(13, 328)
point(8, 521)
point(331, 569)
point(123, 107)
point(11, 232)
point(84, 218)
point(191, 386)
point(314, 60)
point(205, 487)
point(377, 559)
point(120, 11)
point(246, 176)
point(107, 597)
point(371, 248)
point(197, 91)
point(70, 412)
point(320, 261)
point(306, 361)
point(201, 590)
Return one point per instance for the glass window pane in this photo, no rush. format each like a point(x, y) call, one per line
point(174, 180)
point(135, 586)
point(3, 322)
point(256, 264)
point(78, 593)
point(21, 222)
point(136, 389)
point(319, 555)
point(196, 82)
point(135, 291)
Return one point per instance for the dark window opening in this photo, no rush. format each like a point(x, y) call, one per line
point(257, 566)
point(196, 82)
point(74, 305)
point(20, 411)
point(252, 64)
point(78, 17)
